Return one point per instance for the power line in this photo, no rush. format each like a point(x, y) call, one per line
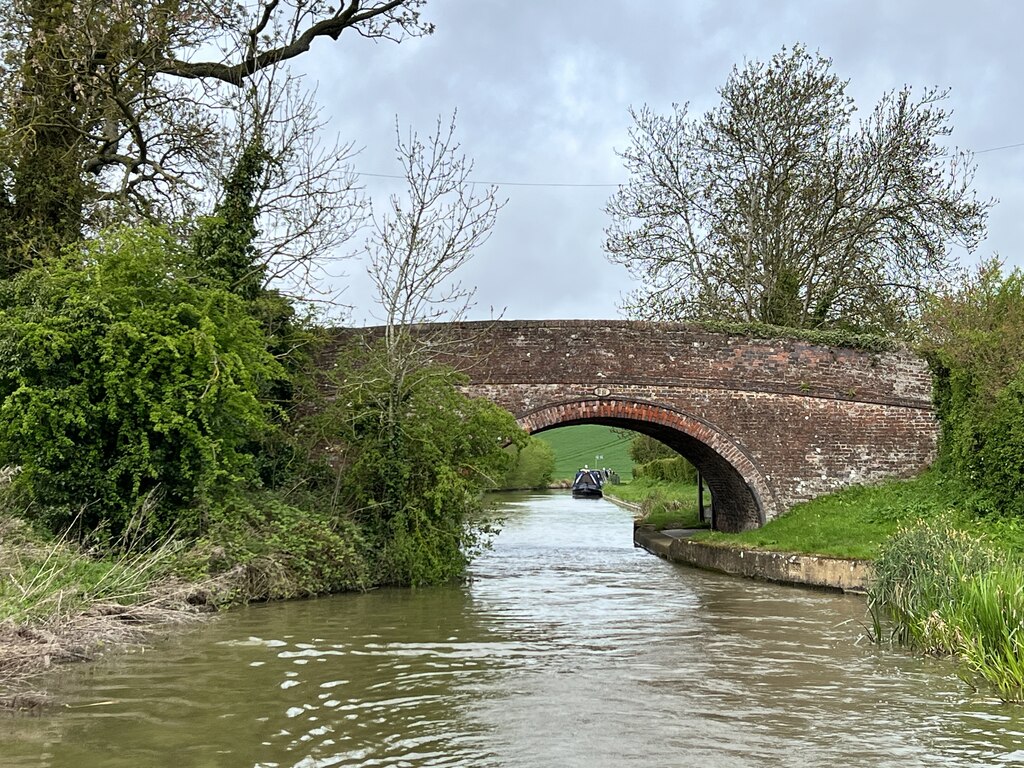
point(566, 184)
point(498, 183)
point(996, 149)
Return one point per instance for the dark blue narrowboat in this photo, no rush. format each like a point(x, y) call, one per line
point(587, 484)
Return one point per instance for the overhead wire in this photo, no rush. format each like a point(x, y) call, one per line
point(569, 184)
point(498, 183)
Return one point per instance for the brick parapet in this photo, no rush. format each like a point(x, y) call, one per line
point(791, 419)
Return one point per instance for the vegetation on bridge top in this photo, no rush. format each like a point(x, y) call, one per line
point(867, 342)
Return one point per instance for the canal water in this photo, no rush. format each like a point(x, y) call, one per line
point(567, 648)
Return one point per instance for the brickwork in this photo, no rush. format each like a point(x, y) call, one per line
point(769, 422)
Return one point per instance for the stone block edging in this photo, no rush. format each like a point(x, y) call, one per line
point(781, 567)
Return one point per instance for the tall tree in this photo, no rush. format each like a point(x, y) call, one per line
point(415, 251)
point(776, 207)
point(111, 107)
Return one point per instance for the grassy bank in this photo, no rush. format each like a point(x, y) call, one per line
point(857, 521)
point(663, 505)
point(64, 599)
point(852, 523)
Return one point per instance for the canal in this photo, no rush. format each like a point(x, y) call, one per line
point(568, 647)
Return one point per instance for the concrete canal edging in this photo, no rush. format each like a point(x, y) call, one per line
point(782, 567)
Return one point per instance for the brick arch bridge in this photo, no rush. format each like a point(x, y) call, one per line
point(768, 422)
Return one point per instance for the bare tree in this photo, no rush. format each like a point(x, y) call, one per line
point(422, 241)
point(309, 200)
point(401, 418)
point(774, 207)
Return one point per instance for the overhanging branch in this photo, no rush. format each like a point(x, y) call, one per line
point(236, 74)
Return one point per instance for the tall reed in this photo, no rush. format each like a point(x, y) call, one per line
point(942, 591)
point(991, 621)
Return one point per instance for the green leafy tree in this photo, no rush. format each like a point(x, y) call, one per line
point(414, 474)
point(109, 109)
point(533, 468)
point(973, 337)
point(224, 242)
point(644, 449)
point(776, 207)
point(125, 374)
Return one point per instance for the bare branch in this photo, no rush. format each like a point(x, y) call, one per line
point(420, 244)
point(403, 14)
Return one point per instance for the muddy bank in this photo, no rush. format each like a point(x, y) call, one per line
point(28, 650)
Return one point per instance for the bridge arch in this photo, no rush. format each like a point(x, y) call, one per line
point(770, 421)
point(743, 496)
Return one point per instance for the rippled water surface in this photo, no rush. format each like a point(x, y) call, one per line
point(568, 648)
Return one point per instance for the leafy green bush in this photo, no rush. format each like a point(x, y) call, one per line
point(272, 549)
point(412, 456)
point(124, 375)
point(673, 470)
point(974, 341)
point(534, 466)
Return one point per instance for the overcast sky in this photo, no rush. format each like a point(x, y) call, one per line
point(543, 88)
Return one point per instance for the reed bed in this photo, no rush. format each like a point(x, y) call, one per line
point(942, 591)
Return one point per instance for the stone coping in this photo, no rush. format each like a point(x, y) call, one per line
point(836, 573)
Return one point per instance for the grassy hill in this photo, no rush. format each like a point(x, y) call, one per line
point(589, 444)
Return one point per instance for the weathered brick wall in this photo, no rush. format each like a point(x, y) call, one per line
point(770, 422)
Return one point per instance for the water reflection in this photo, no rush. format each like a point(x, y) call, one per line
point(568, 647)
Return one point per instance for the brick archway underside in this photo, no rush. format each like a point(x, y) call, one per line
point(743, 498)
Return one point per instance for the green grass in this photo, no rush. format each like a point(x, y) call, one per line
point(590, 444)
point(851, 523)
point(990, 615)
point(663, 505)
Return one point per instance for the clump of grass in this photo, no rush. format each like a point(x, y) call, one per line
point(992, 642)
point(943, 591)
point(42, 580)
point(60, 602)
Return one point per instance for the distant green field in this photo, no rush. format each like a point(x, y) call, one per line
point(589, 444)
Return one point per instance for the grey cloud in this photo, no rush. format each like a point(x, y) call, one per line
point(543, 89)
